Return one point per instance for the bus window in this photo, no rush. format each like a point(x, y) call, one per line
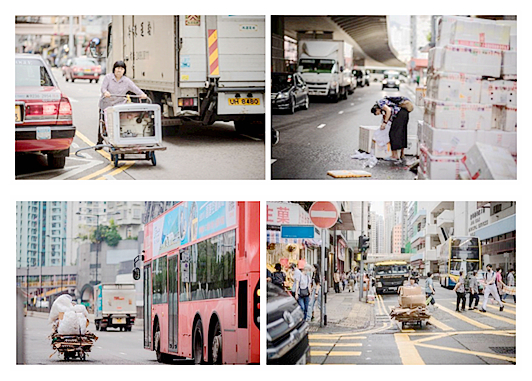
point(159, 281)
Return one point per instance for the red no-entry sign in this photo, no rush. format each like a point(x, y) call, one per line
point(323, 214)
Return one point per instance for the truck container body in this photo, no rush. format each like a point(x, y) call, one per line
point(326, 67)
point(115, 306)
point(202, 68)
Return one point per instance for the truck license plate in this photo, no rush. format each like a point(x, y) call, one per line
point(44, 133)
point(244, 101)
point(18, 114)
point(119, 320)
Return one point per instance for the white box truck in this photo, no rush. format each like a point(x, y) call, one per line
point(115, 306)
point(326, 67)
point(197, 68)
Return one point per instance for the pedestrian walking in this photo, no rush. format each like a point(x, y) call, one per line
point(490, 288)
point(296, 276)
point(510, 280)
point(498, 278)
point(315, 293)
point(459, 288)
point(278, 276)
point(473, 290)
point(344, 280)
point(351, 280)
point(429, 289)
point(395, 110)
point(303, 291)
point(336, 279)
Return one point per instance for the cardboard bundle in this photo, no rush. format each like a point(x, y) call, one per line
point(457, 116)
point(455, 87)
point(471, 32)
point(410, 297)
point(448, 167)
point(499, 92)
point(501, 139)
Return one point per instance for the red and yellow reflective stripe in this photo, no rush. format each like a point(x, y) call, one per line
point(213, 52)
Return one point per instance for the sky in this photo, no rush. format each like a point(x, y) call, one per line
point(377, 207)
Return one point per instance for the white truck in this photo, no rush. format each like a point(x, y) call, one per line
point(115, 306)
point(326, 67)
point(197, 68)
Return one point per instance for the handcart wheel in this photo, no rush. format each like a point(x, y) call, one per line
point(153, 160)
point(114, 158)
point(82, 356)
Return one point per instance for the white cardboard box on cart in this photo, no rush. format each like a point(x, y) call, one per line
point(133, 124)
point(367, 144)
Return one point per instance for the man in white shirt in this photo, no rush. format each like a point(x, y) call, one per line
point(491, 288)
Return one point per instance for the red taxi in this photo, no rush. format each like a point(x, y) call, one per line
point(82, 68)
point(43, 114)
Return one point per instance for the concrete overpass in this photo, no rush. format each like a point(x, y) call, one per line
point(367, 34)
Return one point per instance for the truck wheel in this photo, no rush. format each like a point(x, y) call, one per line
point(97, 324)
point(292, 107)
point(198, 344)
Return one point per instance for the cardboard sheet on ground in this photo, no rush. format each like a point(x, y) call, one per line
point(348, 173)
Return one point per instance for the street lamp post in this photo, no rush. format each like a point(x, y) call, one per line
point(97, 243)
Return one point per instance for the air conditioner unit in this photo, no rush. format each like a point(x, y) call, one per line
point(133, 124)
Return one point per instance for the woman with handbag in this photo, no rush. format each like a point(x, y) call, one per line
point(303, 291)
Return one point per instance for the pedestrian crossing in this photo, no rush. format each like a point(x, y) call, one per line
point(412, 344)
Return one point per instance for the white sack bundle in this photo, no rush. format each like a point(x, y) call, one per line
point(69, 325)
point(80, 308)
point(61, 304)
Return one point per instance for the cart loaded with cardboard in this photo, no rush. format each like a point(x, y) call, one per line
point(412, 307)
point(70, 335)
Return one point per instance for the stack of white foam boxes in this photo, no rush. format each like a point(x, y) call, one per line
point(471, 95)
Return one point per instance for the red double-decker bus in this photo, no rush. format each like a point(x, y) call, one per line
point(201, 283)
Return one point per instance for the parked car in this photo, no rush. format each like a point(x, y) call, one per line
point(391, 80)
point(43, 114)
point(289, 92)
point(352, 83)
point(287, 331)
point(82, 68)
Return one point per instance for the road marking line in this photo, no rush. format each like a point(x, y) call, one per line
point(407, 350)
point(272, 161)
point(496, 317)
point(474, 353)
point(340, 112)
point(435, 322)
point(507, 332)
point(80, 169)
point(321, 125)
point(116, 171)
point(90, 143)
point(463, 318)
point(336, 353)
point(97, 173)
point(505, 309)
point(314, 344)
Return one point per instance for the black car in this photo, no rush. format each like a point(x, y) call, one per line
point(287, 331)
point(289, 92)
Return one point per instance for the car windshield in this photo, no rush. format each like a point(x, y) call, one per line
point(84, 62)
point(391, 269)
point(31, 72)
point(316, 66)
point(282, 82)
point(391, 75)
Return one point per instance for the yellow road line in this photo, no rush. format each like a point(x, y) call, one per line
point(407, 350)
point(117, 171)
point(474, 353)
point(335, 353)
point(435, 322)
point(505, 309)
point(463, 318)
point(97, 173)
point(508, 332)
point(314, 344)
point(496, 317)
point(90, 143)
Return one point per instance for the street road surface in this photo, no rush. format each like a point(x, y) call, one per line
point(210, 152)
point(112, 347)
point(469, 337)
point(324, 137)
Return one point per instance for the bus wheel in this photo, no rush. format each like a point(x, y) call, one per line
point(161, 357)
point(216, 345)
point(198, 344)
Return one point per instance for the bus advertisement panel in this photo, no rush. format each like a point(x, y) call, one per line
point(201, 282)
point(459, 254)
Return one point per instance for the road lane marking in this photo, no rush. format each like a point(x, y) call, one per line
point(507, 332)
point(407, 350)
point(467, 352)
point(272, 161)
point(102, 152)
point(340, 112)
point(463, 318)
point(79, 169)
point(321, 125)
point(334, 353)
point(116, 171)
point(438, 324)
point(97, 173)
point(314, 344)
point(496, 317)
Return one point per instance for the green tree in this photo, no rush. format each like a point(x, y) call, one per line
point(106, 233)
